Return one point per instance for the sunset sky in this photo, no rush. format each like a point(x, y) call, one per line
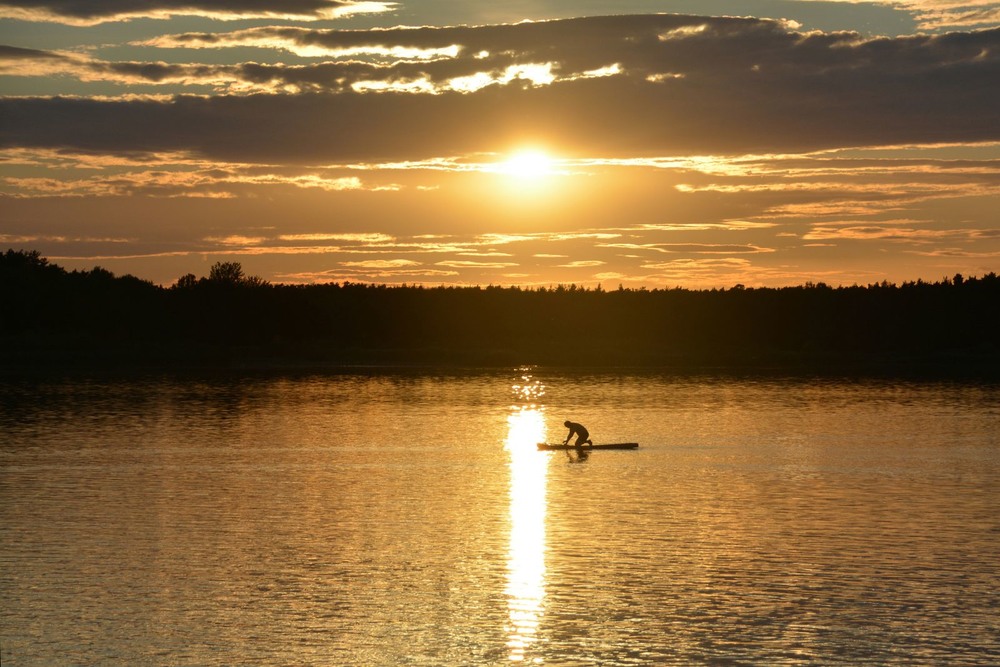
point(655, 143)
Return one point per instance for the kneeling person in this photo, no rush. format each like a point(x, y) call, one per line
point(581, 432)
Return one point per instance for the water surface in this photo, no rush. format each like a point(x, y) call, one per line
point(408, 520)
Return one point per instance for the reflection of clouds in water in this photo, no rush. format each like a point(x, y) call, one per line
point(526, 564)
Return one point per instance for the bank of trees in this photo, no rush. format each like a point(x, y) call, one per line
point(229, 317)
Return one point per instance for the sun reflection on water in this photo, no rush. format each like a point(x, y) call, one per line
point(528, 389)
point(526, 563)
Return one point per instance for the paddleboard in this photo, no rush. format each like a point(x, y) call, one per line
point(542, 446)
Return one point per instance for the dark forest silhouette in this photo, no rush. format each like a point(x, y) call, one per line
point(53, 318)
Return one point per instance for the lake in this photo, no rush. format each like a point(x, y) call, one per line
point(408, 519)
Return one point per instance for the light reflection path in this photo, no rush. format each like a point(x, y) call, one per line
point(526, 563)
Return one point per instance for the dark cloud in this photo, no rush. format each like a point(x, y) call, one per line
point(715, 50)
point(684, 85)
point(95, 11)
point(17, 53)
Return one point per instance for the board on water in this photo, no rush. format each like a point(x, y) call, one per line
point(542, 446)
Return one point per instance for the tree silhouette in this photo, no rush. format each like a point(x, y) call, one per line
point(187, 281)
point(228, 273)
point(231, 273)
point(949, 325)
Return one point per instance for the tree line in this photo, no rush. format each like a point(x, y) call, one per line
point(53, 317)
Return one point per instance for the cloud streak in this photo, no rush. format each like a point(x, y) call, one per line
point(928, 14)
point(92, 12)
point(214, 182)
point(952, 14)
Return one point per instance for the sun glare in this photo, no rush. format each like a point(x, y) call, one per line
point(528, 164)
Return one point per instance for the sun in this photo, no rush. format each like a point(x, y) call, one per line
point(528, 164)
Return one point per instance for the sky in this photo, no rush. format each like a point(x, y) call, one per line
point(636, 143)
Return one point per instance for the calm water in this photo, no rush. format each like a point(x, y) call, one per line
point(409, 520)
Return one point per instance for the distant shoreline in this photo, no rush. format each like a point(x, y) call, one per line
point(56, 321)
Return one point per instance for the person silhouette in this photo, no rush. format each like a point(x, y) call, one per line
point(581, 432)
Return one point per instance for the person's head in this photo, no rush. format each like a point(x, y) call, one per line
point(566, 423)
